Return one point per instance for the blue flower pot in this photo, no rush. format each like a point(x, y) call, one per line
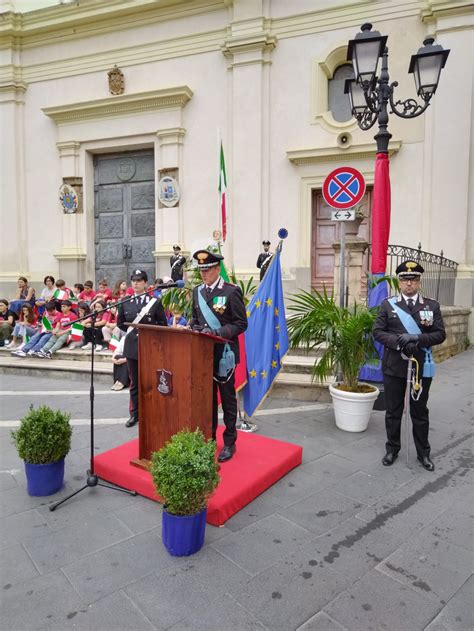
point(183, 534)
point(44, 479)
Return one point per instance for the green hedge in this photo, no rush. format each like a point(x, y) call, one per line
point(185, 472)
point(44, 435)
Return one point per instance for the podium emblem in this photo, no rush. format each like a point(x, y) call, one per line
point(165, 382)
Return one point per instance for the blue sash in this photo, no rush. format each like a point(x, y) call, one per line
point(227, 361)
point(410, 326)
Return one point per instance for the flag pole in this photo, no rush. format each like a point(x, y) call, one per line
point(219, 218)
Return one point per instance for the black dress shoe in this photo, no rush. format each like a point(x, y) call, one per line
point(131, 422)
point(226, 453)
point(389, 458)
point(426, 463)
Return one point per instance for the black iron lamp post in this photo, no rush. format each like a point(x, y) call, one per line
point(370, 95)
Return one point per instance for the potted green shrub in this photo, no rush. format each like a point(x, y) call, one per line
point(185, 475)
point(343, 337)
point(43, 441)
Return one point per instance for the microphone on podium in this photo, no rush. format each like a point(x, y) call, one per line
point(178, 283)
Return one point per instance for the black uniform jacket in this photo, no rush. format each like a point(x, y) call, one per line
point(128, 312)
point(233, 319)
point(177, 262)
point(388, 327)
point(262, 257)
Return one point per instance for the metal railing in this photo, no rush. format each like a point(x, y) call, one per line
point(439, 278)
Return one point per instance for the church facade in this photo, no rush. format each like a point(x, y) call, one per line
point(112, 113)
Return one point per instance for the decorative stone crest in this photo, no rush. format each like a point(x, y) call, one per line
point(69, 199)
point(116, 81)
point(168, 191)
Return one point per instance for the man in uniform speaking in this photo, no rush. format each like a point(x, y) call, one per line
point(218, 308)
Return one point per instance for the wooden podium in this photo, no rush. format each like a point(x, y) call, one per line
point(175, 368)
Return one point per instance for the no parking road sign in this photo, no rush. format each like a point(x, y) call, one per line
point(343, 188)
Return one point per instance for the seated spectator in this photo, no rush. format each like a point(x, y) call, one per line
point(111, 329)
point(177, 319)
point(83, 310)
point(121, 376)
point(103, 292)
point(62, 329)
point(76, 290)
point(93, 334)
point(61, 293)
point(157, 292)
point(25, 327)
point(40, 338)
point(24, 294)
point(88, 293)
point(7, 321)
point(46, 294)
point(120, 290)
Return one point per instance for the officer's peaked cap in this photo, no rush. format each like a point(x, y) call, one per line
point(206, 258)
point(265, 242)
point(409, 270)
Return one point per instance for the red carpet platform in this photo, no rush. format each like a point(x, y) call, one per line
point(258, 463)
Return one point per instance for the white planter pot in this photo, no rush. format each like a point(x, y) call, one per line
point(352, 409)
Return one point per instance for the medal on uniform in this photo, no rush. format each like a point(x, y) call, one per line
point(219, 304)
point(426, 317)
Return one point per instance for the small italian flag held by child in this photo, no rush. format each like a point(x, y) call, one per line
point(76, 332)
point(46, 325)
point(60, 294)
point(114, 342)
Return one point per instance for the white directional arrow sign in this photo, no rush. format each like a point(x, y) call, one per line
point(343, 215)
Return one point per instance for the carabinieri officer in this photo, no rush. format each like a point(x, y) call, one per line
point(264, 259)
point(218, 308)
point(140, 310)
point(410, 310)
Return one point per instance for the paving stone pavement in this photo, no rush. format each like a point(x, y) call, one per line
point(339, 543)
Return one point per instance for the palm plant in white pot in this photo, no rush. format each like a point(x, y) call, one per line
point(343, 336)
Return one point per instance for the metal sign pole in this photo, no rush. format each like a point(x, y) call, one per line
point(342, 271)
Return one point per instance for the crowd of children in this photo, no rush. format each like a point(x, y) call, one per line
point(62, 317)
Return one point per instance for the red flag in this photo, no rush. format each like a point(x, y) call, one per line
point(380, 214)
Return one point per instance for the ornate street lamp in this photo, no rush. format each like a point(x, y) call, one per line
point(369, 95)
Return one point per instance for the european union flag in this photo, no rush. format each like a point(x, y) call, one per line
point(266, 338)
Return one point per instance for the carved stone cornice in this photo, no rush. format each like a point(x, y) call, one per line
point(171, 136)
point(122, 105)
point(325, 154)
point(258, 42)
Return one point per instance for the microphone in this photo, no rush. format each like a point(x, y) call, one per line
point(178, 283)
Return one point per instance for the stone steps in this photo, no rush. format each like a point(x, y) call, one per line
point(293, 382)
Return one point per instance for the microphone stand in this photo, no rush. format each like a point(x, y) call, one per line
point(92, 478)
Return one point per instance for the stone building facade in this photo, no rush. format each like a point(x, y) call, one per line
point(264, 76)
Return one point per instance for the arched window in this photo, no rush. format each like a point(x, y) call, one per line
point(338, 101)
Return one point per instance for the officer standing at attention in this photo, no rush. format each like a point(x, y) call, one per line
point(140, 310)
point(408, 326)
point(177, 262)
point(218, 308)
point(264, 259)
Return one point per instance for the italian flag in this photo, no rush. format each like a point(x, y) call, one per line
point(114, 342)
point(60, 294)
point(76, 332)
point(46, 325)
point(222, 191)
